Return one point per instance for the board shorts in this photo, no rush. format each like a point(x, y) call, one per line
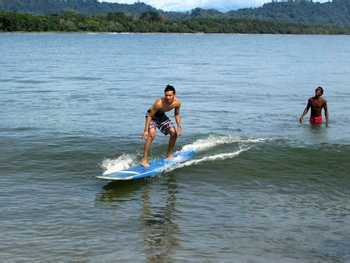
point(316, 120)
point(163, 123)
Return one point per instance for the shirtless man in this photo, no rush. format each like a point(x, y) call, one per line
point(316, 103)
point(156, 118)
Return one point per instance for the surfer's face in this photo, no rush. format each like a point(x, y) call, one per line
point(169, 97)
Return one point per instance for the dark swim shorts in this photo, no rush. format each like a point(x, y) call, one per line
point(163, 123)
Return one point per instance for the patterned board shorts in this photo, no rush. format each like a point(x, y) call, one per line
point(164, 124)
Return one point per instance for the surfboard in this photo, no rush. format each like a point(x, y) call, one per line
point(155, 167)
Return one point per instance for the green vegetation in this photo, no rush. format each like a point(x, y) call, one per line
point(336, 12)
point(152, 22)
point(86, 7)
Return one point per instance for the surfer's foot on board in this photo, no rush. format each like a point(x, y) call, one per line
point(170, 157)
point(144, 163)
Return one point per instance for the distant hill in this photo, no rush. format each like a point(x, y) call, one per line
point(306, 12)
point(87, 7)
point(336, 12)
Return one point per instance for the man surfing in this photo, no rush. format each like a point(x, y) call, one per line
point(316, 103)
point(156, 118)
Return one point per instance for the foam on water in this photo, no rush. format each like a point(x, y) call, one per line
point(214, 140)
point(215, 157)
point(121, 163)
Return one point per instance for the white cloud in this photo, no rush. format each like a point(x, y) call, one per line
point(183, 5)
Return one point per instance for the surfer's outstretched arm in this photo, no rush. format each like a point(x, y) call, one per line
point(149, 133)
point(149, 116)
point(178, 120)
point(147, 122)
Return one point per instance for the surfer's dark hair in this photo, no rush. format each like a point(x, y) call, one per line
point(320, 89)
point(169, 88)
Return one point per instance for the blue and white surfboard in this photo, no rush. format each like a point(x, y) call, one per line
point(155, 167)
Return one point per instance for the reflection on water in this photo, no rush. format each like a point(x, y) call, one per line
point(120, 191)
point(157, 214)
point(160, 230)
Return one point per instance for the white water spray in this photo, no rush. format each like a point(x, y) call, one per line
point(210, 158)
point(213, 141)
point(121, 163)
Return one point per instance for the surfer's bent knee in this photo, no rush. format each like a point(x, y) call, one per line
point(172, 132)
point(152, 133)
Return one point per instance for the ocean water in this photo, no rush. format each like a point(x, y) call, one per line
point(262, 188)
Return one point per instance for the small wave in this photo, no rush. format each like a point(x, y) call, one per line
point(5, 80)
point(18, 129)
point(121, 163)
point(30, 81)
point(76, 78)
point(82, 78)
point(125, 161)
point(213, 141)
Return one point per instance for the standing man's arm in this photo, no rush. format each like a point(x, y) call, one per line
point(326, 112)
point(178, 120)
point(305, 111)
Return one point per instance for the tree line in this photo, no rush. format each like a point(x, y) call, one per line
point(152, 22)
point(86, 7)
point(335, 12)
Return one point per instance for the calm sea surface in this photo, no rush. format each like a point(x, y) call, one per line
point(262, 188)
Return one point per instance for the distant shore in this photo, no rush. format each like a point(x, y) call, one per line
point(160, 33)
point(150, 23)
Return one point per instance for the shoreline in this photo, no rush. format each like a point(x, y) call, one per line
point(166, 33)
point(123, 24)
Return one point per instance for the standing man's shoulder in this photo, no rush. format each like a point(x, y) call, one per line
point(310, 101)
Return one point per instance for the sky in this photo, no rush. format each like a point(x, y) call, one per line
point(185, 5)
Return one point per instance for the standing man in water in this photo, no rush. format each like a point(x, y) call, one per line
point(156, 118)
point(316, 103)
